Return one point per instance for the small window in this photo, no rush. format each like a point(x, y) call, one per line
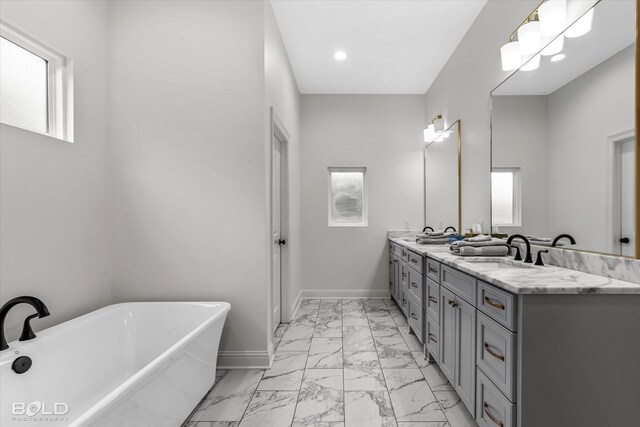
point(348, 197)
point(505, 197)
point(32, 84)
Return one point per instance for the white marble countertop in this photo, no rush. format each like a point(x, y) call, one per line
point(523, 280)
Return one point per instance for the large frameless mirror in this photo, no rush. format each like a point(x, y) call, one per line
point(564, 151)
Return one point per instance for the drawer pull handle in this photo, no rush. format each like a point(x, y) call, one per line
point(413, 316)
point(413, 260)
point(453, 304)
point(404, 275)
point(493, 353)
point(494, 419)
point(433, 300)
point(432, 338)
point(493, 303)
point(414, 285)
point(432, 270)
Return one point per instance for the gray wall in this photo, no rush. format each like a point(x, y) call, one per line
point(582, 114)
point(54, 211)
point(383, 133)
point(282, 94)
point(461, 91)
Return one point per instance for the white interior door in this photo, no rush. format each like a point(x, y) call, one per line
point(276, 214)
point(627, 178)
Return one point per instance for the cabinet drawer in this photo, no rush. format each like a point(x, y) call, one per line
point(496, 355)
point(416, 288)
point(460, 283)
point(501, 306)
point(433, 270)
point(415, 262)
point(432, 298)
point(431, 337)
point(404, 254)
point(415, 317)
point(492, 408)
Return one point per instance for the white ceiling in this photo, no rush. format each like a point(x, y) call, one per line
point(394, 47)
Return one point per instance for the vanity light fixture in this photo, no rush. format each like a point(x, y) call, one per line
point(541, 28)
point(435, 128)
point(340, 55)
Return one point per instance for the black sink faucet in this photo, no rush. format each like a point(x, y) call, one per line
point(427, 228)
point(568, 236)
point(527, 258)
point(27, 332)
point(450, 227)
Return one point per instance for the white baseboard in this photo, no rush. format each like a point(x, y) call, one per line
point(243, 360)
point(345, 293)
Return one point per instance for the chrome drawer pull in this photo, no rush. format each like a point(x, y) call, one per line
point(432, 270)
point(413, 316)
point(413, 260)
point(453, 304)
point(414, 285)
point(431, 337)
point(493, 353)
point(404, 275)
point(493, 303)
point(494, 419)
point(433, 300)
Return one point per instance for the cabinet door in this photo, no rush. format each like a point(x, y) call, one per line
point(447, 333)
point(465, 352)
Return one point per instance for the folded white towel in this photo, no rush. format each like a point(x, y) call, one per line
point(501, 250)
point(490, 242)
point(479, 238)
point(435, 233)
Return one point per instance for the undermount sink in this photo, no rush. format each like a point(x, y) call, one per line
point(499, 262)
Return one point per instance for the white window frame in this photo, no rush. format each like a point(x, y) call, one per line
point(365, 198)
point(58, 114)
point(517, 196)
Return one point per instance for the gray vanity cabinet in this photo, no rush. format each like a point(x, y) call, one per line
point(457, 345)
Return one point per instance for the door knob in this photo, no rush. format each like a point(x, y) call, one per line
point(282, 242)
point(624, 240)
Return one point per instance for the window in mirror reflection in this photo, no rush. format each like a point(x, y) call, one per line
point(505, 196)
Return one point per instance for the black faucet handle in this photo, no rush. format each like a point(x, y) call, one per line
point(539, 257)
point(27, 333)
point(518, 257)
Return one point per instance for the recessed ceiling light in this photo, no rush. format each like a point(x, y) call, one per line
point(340, 55)
point(558, 57)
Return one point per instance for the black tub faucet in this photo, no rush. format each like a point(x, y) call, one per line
point(27, 332)
point(527, 258)
point(450, 227)
point(568, 236)
point(428, 228)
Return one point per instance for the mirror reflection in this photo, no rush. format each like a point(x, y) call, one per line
point(563, 140)
point(442, 185)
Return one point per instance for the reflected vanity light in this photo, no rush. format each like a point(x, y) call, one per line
point(547, 21)
point(558, 57)
point(554, 47)
point(581, 27)
point(533, 64)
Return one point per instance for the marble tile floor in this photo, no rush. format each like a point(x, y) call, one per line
point(339, 363)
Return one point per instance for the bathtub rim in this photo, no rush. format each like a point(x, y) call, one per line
point(14, 351)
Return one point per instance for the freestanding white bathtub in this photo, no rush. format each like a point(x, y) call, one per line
point(125, 365)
